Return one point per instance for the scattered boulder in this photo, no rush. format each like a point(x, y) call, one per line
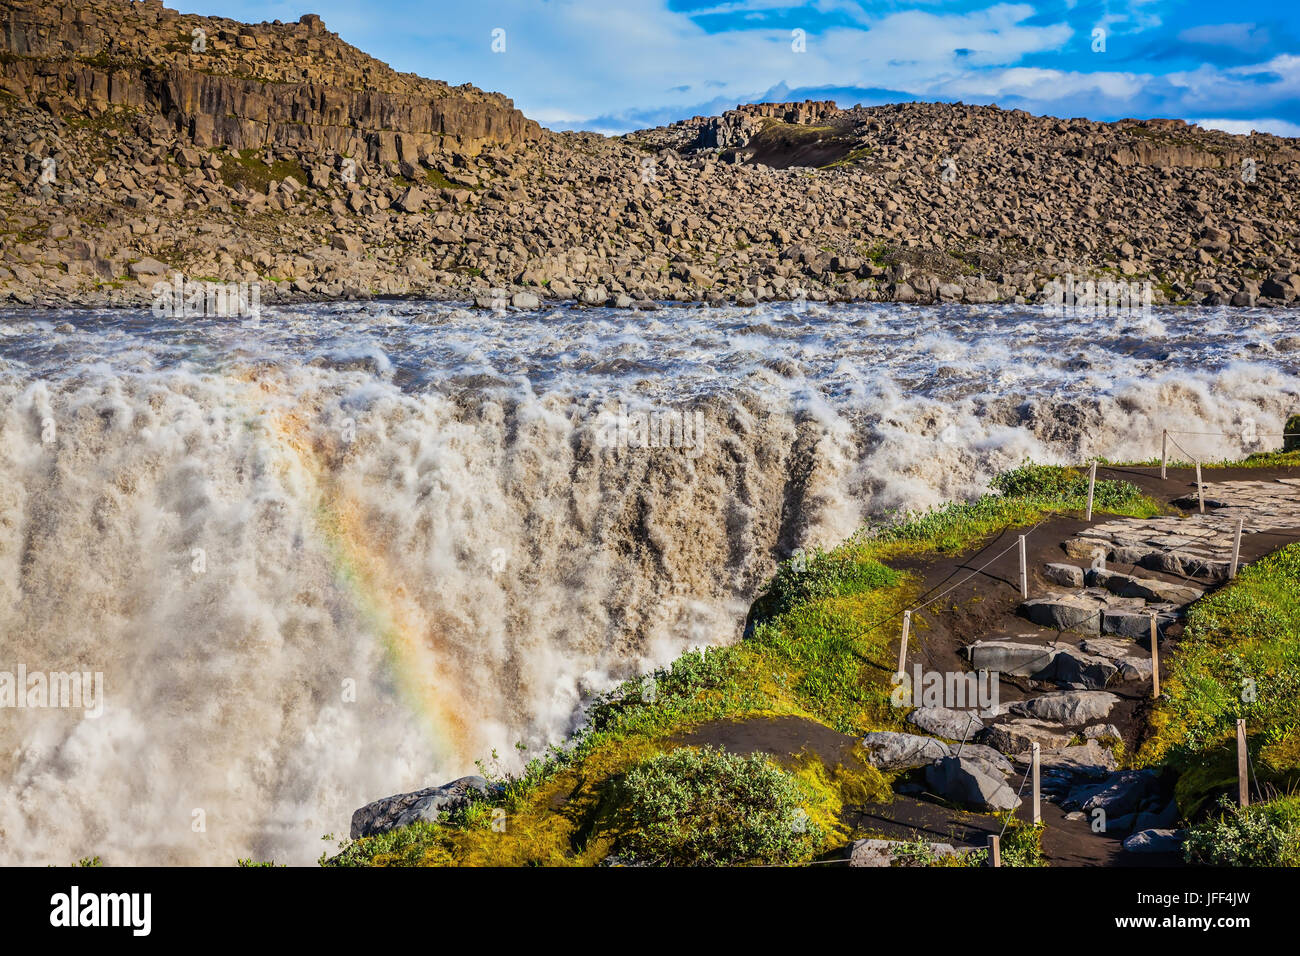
point(891, 750)
point(404, 809)
point(1069, 575)
point(1017, 736)
point(1155, 841)
point(1069, 707)
point(1065, 612)
point(945, 722)
point(964, 781)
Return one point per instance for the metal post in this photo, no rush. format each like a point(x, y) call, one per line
point(1164, 454)
point(1200, 488)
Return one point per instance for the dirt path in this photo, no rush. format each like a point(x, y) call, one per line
point(982, 603)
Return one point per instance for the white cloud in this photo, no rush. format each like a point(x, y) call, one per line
point(1243, 127)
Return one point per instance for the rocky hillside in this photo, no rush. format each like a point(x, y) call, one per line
point(140, 141)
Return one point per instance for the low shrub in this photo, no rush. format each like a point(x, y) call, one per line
point(708, 807)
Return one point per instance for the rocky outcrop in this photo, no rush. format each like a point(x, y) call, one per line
point(222, 83)
point(422, 805)
point(279, 155)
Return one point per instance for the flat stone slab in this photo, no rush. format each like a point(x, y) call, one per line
point(989, 759)
point(891, 750)
point(1011, 657)
point(1016, 736)
point(1147, 589)
point(1067, 575)
point(1071, 708)
point(1089, 759)
point(945, 722)
point(1065, 612)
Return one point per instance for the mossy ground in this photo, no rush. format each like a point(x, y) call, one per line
point(819, 648)
point(250, 170)
point(1238, 658)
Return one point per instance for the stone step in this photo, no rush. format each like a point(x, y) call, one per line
point(1151, 590)
point(1070, 708)
point(1058, 663)
point(1018, 735)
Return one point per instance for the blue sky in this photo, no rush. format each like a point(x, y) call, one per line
point(616, 65)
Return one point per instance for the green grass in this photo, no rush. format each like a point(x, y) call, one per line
point(1262, 459)
point(820, 648)
point(1239, 658)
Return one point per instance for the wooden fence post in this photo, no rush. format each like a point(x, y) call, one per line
point(1236, 548)
point(1036, 756)
point(1164, 454)
point(1092, 484)
point(1024, 571)
point(995, 850)
point(1155, 658)
point(1243, 766)
point(902, 648)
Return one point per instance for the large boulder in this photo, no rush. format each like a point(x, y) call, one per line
point(986, 758)
point(406, 808)
point(964, 781)
point(1017, 736)
point(890, 750)
point(946, 722)
point(1161, 840)
point(1018, 658)
point(1088, 759)
point(1065, 612)
point(1068, 707)
point(1121, 795)
point(1074, 669)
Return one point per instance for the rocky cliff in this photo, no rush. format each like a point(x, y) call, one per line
point(140, 142)
point(223, 83)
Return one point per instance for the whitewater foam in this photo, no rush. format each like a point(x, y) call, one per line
point(412, 500)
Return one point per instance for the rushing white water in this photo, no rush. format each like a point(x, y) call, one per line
point(340, 552)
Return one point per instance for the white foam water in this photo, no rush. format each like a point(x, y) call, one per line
point(338, 552)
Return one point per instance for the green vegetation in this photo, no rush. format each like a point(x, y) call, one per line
point(1261, 835)
point(249, 170)
point(711, 808)
point(1262, 459)
point(1238, 658)
point(1022, 844)
point(819, 649)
